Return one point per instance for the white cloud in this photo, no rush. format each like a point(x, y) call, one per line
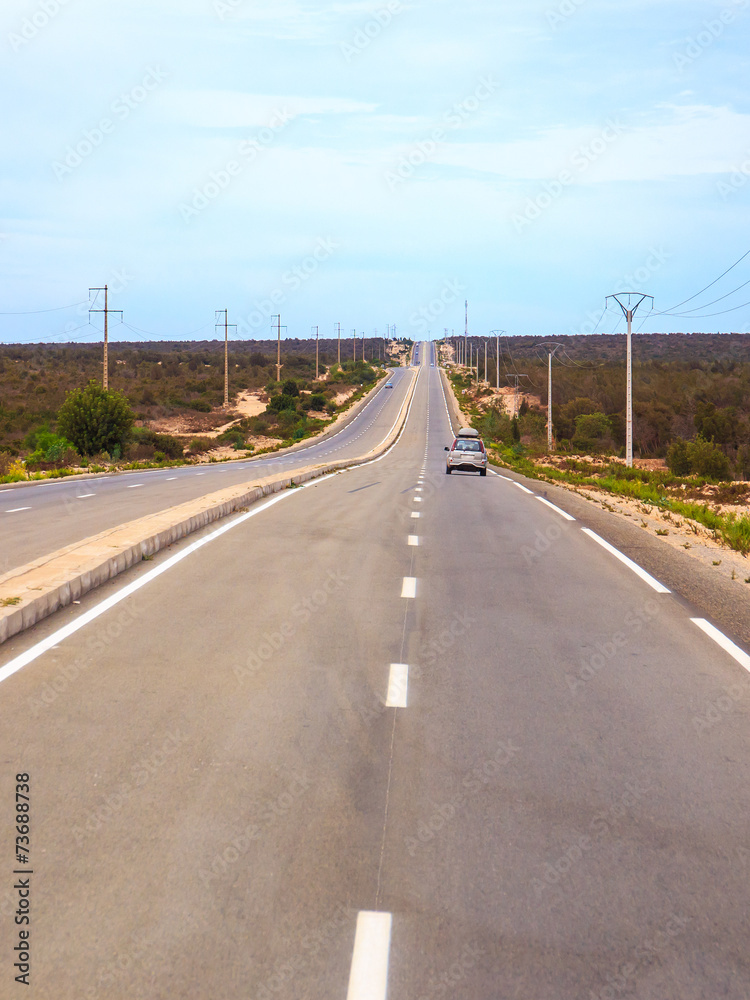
point(234, 109)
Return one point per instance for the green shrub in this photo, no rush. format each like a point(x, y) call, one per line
point(95, 419)
point(317, 401)
point(201, 405)
point(280, 402)
point(290, 388)
point(707, 459)
point(593, 431)
point(199, 445)
point(678, 458)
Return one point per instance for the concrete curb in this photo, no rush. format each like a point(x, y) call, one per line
point(342, 421)
point(56, 580)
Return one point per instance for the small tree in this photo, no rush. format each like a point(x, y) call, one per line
point(95, 419)
point(678, 459)
point(707, 459)
point(290, 388)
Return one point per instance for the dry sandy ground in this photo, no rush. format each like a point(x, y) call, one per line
point(677, 531)
point(249, 404)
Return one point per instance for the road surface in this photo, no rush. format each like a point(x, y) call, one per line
point(395, 734)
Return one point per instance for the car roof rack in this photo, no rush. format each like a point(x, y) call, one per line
point(468, 432)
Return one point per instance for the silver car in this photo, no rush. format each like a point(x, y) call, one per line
point(467, 452)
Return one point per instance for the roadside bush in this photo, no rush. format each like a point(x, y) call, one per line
point(170, 445)
point(199, 445)
point(678, 458)
point(593, 432)
point(707, 459)
point(95, 419)
point(290, 388)
point(201, 405)
point(283, 401)
point(317, 401)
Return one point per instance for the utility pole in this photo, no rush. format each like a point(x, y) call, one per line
point(316, 350)
point(354, 340)
point(338, 326)
point(485, 363)
point(278, 346)
point(515, 394)
point(223, 312)
point(629, 313)
point(106, 310)
point(466, 327)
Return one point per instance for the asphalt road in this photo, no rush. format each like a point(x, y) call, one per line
point(331, 749)
point(36, 520)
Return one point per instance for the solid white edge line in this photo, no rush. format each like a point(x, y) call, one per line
point(368, 978)
point(726, 644)
point(60, 635)
point(398, 683)
point(87, 617)
point(646, 577)
point(409, 586)
point(522, 487)
point(557, 510)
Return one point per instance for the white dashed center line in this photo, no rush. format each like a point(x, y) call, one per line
point(368, 979)
point(409, 587)
point(15, 510)
point(85, 496)
point(726, 644)
point(398, 681)
point(135, 486)
point(415, 513)
point(413, 539)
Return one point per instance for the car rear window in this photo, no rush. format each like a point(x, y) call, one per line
point(467, 445)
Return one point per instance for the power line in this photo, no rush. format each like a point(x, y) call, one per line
point(677, 306)
point(38, 312)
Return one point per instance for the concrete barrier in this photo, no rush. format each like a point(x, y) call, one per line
point(31, 592)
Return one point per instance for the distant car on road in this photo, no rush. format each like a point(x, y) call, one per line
point(389, 385)
point(467, 453)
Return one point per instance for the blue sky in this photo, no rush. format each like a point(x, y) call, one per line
point(372, 163)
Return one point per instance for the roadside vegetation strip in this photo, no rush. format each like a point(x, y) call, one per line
point(31, 592)
point(646, 487)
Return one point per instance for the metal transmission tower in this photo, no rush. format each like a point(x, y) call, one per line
point(106, 310)
point(316, 350)
point(218, 323)
point(629, 311)
point(278, 347)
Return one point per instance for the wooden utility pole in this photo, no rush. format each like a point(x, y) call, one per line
point(338, 326)
point(278, 347)
point(106, 310)
point(354, 339)
point(316, 352)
